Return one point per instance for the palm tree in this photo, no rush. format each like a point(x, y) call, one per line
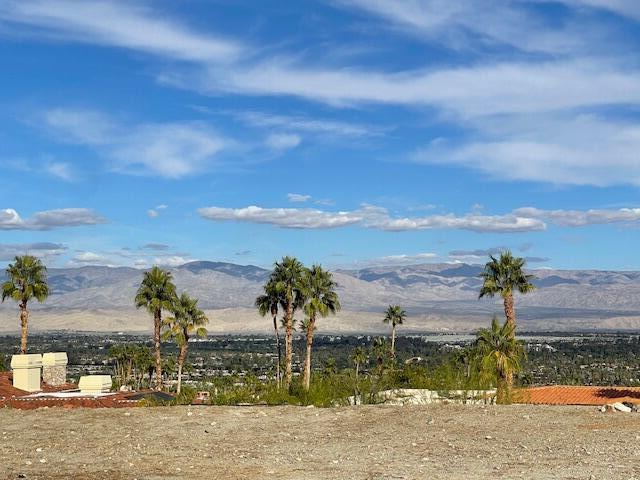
point(380, 351)
point(268, 303)
point(288, 277)
point(359, 357)
point(395, 316)
point(504, 276)
point(322, 300)
point(187, 320)
point(500, 355)
point(27, 279)
point(156, 293)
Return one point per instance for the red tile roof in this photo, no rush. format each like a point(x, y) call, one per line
point(577, 395)
point(16, 398)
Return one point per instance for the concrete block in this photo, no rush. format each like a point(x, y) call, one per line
point(55, 359)
point(26, 371)
point(620, 407)
point(92, 384)
point(54, 368)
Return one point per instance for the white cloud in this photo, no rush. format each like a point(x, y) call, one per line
point(283, 141)
point(49, 219)
point(45, 250)
point(370, 217)
point(170, 150)
point(580, 218)
point(155, 212)
point(282, 217)
point(298, 198)
point(90, 258)
point(171, 261)
point(118, 24)
point(405, 258)
point(525, 219)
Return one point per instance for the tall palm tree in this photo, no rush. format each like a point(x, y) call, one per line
point(269, 303)
point(187, 320)
point(322, 300)
point(27, 279)
point(395, 316)
point(156, 293)
point(500, 355)
point(503, 277)
point(288, 277)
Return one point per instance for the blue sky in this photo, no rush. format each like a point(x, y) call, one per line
point(346, 132)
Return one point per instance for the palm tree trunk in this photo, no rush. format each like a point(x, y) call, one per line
point(503, 388)
point(181, 358)
point(279, 348)
point(157, 319)
point(510, 314)
point(24, 324)
point(393, 341)
point(307, 361)
point(288, 347)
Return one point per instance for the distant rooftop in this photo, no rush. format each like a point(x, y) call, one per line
point(578, 395)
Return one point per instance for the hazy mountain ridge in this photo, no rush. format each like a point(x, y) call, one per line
point(435, 293)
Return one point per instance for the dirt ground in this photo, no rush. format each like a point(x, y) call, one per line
point(368, 443)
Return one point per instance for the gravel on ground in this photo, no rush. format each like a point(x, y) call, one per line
point(360, 443)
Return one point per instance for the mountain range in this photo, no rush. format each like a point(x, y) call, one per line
point(437, 297)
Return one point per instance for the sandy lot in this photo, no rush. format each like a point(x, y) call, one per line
point(372, 443)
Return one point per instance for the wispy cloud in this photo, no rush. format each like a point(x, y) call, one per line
point(155, 212)
point(523, 114)
point(477, 253)
point(61, 170)
point(171, 150)
point(46, 250)
point(49, 219)
point(404, 258)
point(473, 24)
point(119, 24)
point(623, 8)
point(156, 246)
point(306, 124)
point(298, 197)
point(558, 148)
point(283, 141)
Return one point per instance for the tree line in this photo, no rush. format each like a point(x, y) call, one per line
point(292, 287)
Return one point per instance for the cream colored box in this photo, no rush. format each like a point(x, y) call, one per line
point(26, 371)
point(55, 359)
point(92, 384)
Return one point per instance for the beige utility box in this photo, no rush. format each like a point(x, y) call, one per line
point(26, 371)
point(54, 368)
point(92, 384)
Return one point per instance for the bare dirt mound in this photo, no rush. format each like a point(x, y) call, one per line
point(368, 443)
